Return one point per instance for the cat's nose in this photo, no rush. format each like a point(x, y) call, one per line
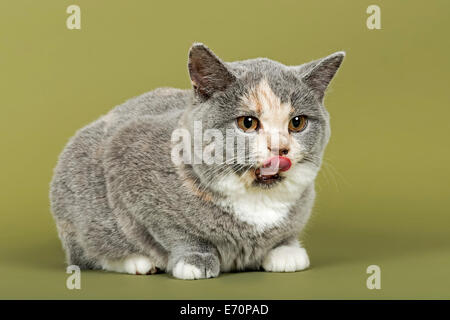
point(280, 152)
point(278, 143)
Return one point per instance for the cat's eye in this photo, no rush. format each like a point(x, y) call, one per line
point(298, 123)
point(248, 124)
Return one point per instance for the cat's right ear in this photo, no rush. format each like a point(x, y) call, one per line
point(208, 73)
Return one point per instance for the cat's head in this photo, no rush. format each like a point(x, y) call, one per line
point(270, 117)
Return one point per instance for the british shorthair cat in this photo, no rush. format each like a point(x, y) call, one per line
point(125, 200)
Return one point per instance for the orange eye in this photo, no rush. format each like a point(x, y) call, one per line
point(298, 123)
point(247, 124)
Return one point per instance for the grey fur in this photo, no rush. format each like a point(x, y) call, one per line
point(115, 191)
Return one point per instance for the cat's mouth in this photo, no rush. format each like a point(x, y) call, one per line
point(266, 179)
point(269, 172)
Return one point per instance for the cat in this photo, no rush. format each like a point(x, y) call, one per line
point(122, 203)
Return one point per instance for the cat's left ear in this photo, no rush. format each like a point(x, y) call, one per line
point(318, 74)
point(208, 73)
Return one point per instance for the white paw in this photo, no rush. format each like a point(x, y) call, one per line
point(286, 259)
point(135, 264)
point(186, 271)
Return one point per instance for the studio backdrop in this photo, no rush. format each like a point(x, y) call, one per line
point(380, 223)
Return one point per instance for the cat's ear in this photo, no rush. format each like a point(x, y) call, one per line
point(208, 73)
point(318, 74)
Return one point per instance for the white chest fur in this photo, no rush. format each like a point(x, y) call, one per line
point(265, 208)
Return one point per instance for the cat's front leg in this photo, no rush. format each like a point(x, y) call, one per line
point(289, 257)
point(194, 263)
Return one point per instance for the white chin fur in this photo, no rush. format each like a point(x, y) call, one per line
point(265, 208)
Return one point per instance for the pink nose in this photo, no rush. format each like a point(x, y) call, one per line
point(275, 164)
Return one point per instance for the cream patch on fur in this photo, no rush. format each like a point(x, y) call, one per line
point(263, 100)
point(265, 208)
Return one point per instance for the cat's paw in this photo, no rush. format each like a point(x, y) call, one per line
point(197, 266)
point(135, 264)
point(286, 259)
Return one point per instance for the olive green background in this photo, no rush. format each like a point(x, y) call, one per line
point(383, 193)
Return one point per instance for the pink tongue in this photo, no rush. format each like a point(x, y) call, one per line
point(275, 164)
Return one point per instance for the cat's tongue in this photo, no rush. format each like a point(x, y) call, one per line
point(274, 165)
